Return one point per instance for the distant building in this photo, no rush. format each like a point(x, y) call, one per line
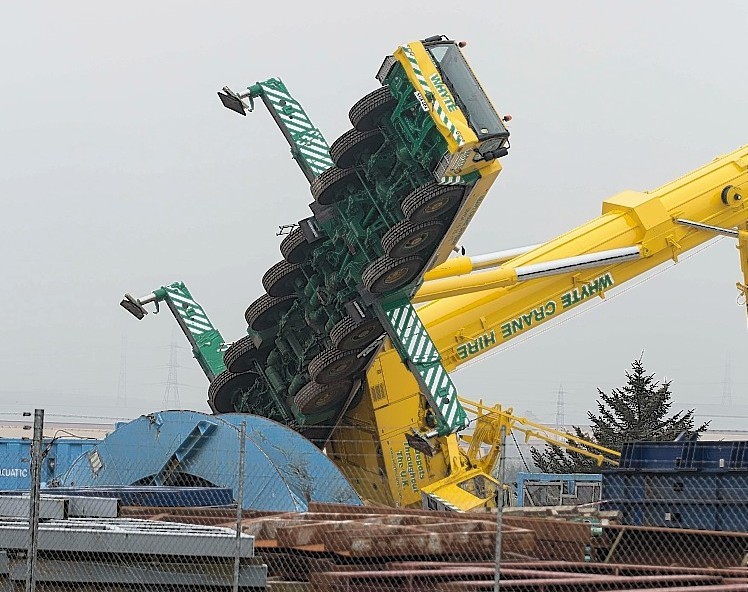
point(55, 429)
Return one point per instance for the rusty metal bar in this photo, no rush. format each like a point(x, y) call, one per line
point(623, 567)
point(587, 584)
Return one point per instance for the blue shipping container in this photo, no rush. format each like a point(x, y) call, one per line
point(684, 484)
point(685, 455)
point(15, 460)
point(720, 516)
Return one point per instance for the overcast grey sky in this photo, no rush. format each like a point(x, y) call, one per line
point(121, 172)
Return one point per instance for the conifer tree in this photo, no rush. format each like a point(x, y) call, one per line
point(636, 411)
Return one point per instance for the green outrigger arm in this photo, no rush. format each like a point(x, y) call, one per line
point(311, 152)
point(207, 343)
point(308, 146)
point(413, 342)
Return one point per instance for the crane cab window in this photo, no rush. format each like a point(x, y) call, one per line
point(456, 73)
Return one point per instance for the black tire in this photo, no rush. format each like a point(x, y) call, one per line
point(353, 145)
point(386, 275)
point(432, 201)
point(333, 365)
point(280, 279)
point(265, 312)
point(225, 387)
point(369, 111)
point(349, 334)
point(295, 248)
point(241, 355)
point(335, 185)
point(315, 398)
point(405, 238)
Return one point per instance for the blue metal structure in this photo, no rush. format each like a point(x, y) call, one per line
point(15, 459)
point(566, 487)
point(143, 495)
point(154, 497)
point(685, 454)
point(283, 470)
point(682, 484)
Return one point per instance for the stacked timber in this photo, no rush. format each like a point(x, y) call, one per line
point(337, 547)
point(301, 546)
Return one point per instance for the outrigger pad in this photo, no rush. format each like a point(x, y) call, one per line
point(233, 102)
point(418, 442)
point(134, 307)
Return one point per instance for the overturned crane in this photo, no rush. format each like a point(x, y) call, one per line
point(385, 219)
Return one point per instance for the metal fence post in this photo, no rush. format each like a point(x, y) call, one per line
point(499, 508)
point(34, 499)
point(239, 502)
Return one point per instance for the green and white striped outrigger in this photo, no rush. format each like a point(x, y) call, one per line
point(308, 146)
point(413, 343)
point(207, 342)
point(307, 142)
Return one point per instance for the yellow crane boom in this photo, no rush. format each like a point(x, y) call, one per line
point(379, 445)
point(636, 232)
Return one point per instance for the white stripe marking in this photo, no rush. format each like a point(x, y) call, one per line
point(196, 325)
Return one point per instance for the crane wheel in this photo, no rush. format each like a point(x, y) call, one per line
point(265, 312)
point(405, 238)
point(335, 185)
point(349, 334)
point(315, 398)
point(317, 427)
point(241, 355)
point(366, 114)
point(295, 248)
point(431, 201)
point(226, 388)
point(333, 365)
point(386, 274)
point(280, 280)
point(354, 146)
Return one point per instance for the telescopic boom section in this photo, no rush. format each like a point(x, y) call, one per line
point(635, 233)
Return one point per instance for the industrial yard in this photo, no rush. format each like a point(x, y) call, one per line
point(384, 264)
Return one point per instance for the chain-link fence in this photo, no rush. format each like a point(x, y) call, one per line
point(157, 503)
